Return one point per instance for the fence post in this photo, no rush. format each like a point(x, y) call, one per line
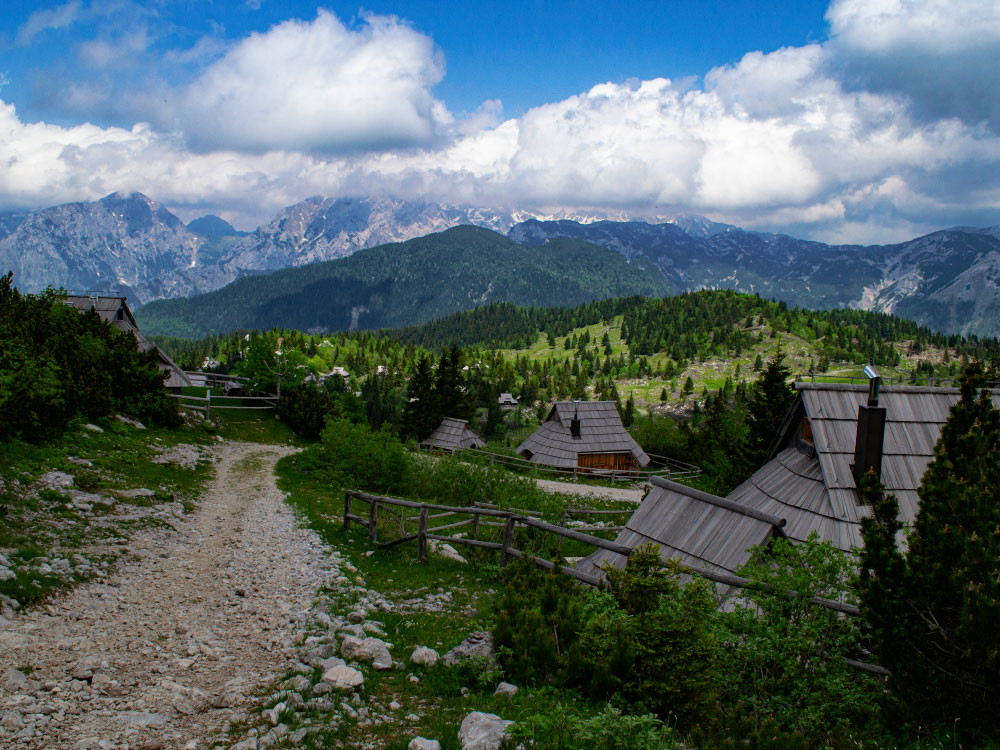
point(508, 540)
point(208, 404)
point(372, 520)
point(402, 521)
point(347, 510)
point(422, 535)
point(475, 525)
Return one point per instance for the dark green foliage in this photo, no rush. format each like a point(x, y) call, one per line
point(450, 393)
point(934, 611)
point(305, 409)
point(738, 728)
point(421, 415)
point(56, 363)
point(563, 727)
point(784, 657)
point(362, 459)
point(767, 406)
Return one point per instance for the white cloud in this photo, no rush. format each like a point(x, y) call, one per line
point(316, 86)
point(783, 141)
point(52, 18)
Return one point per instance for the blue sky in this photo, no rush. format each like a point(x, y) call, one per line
point(853, 120)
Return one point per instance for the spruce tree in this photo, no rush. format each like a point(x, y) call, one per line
point(934, 612)
point(769, 401)
point(452, 400)
point(421, 415)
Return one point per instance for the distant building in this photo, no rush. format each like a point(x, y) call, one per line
point(453, 435)
point(831, 436)
point(584, 436)
point(115, 310)
point(507, 401)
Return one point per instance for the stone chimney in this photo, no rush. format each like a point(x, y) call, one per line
point(574, 425)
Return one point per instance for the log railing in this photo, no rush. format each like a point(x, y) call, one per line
point(666, 467)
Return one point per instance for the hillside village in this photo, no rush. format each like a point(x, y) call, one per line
point(549, 538)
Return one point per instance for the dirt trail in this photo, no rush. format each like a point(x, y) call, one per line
point(163, 652)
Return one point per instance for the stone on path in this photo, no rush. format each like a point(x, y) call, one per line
point(480, 731)
point(344, 678)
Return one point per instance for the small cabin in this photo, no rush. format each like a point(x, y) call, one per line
point(507, 401)
point(452, 435)
point(584, 436)
point(115, 310)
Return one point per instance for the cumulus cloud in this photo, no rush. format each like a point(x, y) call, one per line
point(785, 140)
point(51, 18)
point(316, 86)
point(940, 54)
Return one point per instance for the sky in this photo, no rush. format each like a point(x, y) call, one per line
point(863, 121)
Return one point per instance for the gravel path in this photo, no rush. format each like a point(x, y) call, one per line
point(587, 490)
point(163, 652)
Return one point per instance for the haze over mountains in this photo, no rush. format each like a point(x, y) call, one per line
point(948, 280)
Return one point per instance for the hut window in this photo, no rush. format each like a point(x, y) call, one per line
point(121, 313)
point(807, 432)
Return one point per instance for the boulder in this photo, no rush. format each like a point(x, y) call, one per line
point(505, 688)
point(422, 743)
point(371, 650)
point(344, 678)
point(427, 657)
point(477, 644)
point(481, 731)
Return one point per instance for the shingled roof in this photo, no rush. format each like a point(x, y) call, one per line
point(601, 431)
point(453, 435)
point(808, 485)
point(115, 310)
point(695, 528)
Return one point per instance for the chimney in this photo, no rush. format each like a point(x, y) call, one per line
point(871, 431)
point(574, 425)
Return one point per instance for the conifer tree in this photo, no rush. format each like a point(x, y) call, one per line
point(934, 612)
point(452, 400)
point(769, 401)
point(421, 415)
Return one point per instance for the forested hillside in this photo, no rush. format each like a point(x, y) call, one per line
point(414, 281)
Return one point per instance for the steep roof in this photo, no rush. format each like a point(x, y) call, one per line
point(696, 528)
point(115, 310)
point(453, 435)
point(601, 431)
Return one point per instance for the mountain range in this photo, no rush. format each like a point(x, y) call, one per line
point(948, 280)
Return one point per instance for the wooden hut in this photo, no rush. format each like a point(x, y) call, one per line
point(115, 311)
point(452, 435)
point(809, 483)
point(584, 436)
point(507, 401)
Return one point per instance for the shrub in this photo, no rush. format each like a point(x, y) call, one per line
point(784, 656)
point(363, 459)
point(305, 408)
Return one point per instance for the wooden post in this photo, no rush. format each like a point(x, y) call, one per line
point(208, 403)
point(475, 525)
point(347, 510)
point(372, 520)
point(508, 540)
point(402, 522)
point(422, 535)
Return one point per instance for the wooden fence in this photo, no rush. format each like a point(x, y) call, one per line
point(205, 404)
point(663, 466)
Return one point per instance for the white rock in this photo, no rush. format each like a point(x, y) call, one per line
point(369, 649)
point(505, 688)
point(129, 421)
point(449, 552)
point(344, 678)
point(56, 480)
point(422, 743)
point(92, 427)
point(425, 656)
point(6, 574)
point(480, 731)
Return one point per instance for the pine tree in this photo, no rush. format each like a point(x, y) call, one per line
point(769, 401)
point(934, 613)
point(452, 400)
point(421, 415)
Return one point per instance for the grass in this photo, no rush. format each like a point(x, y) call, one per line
point(437, 697)
point(46, 525)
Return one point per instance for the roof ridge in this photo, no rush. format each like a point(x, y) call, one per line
point(721, 502)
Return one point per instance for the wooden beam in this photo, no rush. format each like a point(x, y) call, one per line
point(422, 536)
point(683, 489)
point(579, 536)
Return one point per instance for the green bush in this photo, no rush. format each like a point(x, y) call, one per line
point(784, 657)
point(362, 459)
point(305, 408)
point(563, 728)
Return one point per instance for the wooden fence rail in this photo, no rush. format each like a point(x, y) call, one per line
point(209, 402)
point(669, 468)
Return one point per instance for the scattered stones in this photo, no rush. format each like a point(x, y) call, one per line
point(184, 455)
point(481, 731)
point(477, 645)
point(505, 688)
point(422, 743)
point(130, 421)
point(137, 492)
point(424, 656)
point(6, 574)
point(373, 650)
point(55, 480)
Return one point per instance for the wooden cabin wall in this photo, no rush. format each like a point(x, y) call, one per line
point(607, 461)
